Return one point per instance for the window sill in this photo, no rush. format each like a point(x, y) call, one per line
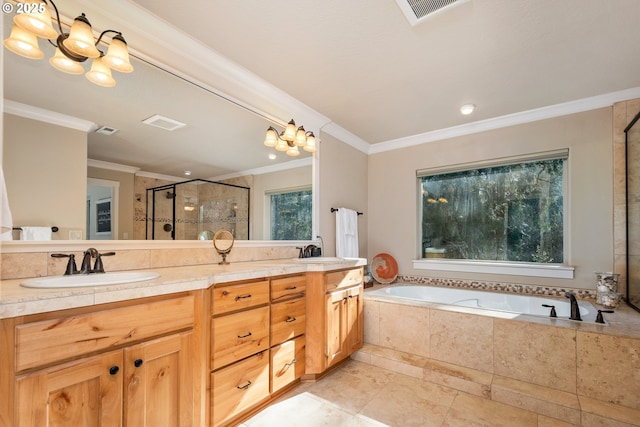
point(494, 267)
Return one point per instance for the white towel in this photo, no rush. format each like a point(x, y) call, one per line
point(36, 233)
point(347, 233)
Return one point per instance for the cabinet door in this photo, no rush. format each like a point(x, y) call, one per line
point(355, 321)
point(159, 383)
point(84, 393)
point(337, 304)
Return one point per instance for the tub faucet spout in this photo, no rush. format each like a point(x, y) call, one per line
point(575, 310)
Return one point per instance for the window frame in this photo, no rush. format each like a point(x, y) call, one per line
point(267, 208)
point(517, 268)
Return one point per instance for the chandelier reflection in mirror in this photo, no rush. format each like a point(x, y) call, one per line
point(290, 139)
point(33, 20)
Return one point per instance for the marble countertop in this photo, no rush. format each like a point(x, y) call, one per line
point(16, 300)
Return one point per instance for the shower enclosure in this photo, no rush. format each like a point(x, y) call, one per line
point(196, 209)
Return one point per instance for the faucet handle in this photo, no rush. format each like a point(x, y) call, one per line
point(98, 267)
point(600, 318)
point(71, 264)
point(553, 310)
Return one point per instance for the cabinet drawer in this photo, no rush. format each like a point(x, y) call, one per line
point(236, 336)
point(238, 297)
point(287, 363)
point(287, 320)
point(343, 279)
point(288, 287)
point(239, 386)
point(44, 342)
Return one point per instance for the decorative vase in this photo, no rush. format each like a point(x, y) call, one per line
point(607, 289)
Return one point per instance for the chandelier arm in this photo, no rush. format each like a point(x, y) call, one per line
point(105, 32)
point(55, 8)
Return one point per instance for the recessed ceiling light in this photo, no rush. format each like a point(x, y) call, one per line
point(187, 173)
point(272, 156)
point(467, 109)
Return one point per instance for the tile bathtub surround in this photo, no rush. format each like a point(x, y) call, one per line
point(497, 286)
point(547, 369)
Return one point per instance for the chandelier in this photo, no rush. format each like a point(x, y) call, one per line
point(290, 139)
point(33, 20)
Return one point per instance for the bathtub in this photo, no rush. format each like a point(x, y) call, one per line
point(510, 303)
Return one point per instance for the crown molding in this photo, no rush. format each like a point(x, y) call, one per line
point(563, 109)
point(291, 164)
point(112, 166)
point(47, 116)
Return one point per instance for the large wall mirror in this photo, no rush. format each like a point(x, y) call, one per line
point(63, 134)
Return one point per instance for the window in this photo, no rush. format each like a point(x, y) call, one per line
point(510, 211)
point(291, 215)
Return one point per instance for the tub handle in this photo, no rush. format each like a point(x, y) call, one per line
point(553, 310)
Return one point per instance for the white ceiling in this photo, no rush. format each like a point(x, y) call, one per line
point(359, 70)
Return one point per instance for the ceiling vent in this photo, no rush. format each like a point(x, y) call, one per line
point(417, 11)
point(107, 130)
point(163, 122)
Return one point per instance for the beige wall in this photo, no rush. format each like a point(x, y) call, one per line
point(125, 198)
point(342, 183)
point(290, 179)
point(393, 207)
point(39, 157)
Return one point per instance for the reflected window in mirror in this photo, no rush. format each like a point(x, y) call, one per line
point(290, 215)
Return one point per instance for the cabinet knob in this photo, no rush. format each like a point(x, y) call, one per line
point(137, 363)
point(114, 370)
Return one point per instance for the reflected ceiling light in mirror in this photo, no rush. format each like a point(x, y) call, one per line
point(290, 139)
point(72, 48)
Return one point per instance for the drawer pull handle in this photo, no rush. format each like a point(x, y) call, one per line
point(290, 288)
point(114, 370)
point(137, 363)
point(245, 336)
point(239, 297)
point(286, 367)
point(290, 319)
point(244, 387)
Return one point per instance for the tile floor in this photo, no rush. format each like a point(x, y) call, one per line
point(359, 394)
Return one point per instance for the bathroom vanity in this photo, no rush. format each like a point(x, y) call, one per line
point(148, 353)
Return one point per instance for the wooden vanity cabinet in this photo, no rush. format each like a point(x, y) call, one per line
point(134, 365)
point(257, 344)
point(335, 327)
point(288, 328)
point(240, 324)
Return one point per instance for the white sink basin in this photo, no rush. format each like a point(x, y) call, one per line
point(96, 279)
point(318, 259)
